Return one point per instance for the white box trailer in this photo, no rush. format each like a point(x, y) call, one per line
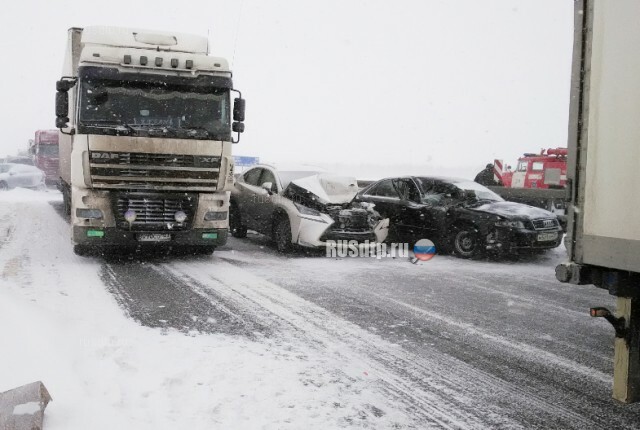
point(603, 238)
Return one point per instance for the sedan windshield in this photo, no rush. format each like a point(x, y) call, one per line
point(143, 108)
point(481, 192)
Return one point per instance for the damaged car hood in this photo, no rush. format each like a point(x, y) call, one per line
point(328, 188)
point(512, 210)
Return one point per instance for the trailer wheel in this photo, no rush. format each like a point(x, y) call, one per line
point(282, 234)
point(467, 242)
point(235, 222)
point(3, 186)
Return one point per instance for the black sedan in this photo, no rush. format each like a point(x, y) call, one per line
point(460, 216)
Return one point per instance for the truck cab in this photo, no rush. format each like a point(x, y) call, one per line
point(146, 122)
point(45, 153)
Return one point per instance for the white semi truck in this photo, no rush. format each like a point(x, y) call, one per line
point(603, 238)
point(146, 124)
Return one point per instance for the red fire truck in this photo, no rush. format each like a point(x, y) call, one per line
point(44, 151)
point(545, 170)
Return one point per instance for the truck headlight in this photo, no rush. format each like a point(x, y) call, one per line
point(215, 216)
point(89, 213)
point(180, 216)
point(509, 223)
point(130, 216)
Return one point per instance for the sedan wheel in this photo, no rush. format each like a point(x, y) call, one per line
point(466, 243)
point(282, 235)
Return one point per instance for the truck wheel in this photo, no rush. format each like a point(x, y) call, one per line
point(3, 186)
point(81, 250)
point(205, 250)
point(467, 242)
point(235, 222)
point(282, 234)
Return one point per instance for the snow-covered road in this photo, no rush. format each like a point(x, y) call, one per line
point(250, 339)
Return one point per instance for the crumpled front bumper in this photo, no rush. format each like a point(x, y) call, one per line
point(315, 233)
point(506, 239)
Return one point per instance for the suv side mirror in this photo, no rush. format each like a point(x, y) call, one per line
point(268, 186)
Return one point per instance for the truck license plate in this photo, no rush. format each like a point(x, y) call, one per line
point(154, 237)
point(545, 237)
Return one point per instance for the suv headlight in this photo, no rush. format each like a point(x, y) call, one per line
point(510, 224)
point(306, 211)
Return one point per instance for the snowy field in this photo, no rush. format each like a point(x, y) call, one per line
point(249, 339)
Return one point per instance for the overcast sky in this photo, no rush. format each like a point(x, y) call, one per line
point(416, 85)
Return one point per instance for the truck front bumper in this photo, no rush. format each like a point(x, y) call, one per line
point(115, 237)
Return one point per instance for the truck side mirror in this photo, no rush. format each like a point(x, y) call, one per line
point(62, 109)
point(238, 109)
point(62, 101)
point(239, 105)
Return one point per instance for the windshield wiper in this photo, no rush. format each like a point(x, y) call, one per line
point(106, 123)
point(193, 129)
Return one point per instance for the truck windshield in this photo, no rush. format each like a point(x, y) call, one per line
point(48, 150)
point(155, 108)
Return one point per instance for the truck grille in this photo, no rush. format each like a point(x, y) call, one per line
point(133, 170)
point(545, 224)
point(155, 212)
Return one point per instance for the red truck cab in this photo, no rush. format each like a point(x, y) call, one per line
point(545, 170)
point(44, 151)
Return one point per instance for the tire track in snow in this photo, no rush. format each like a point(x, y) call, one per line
point(155, 298)
point(441, 386)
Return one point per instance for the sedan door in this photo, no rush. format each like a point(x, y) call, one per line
point(412, 220)
point(33, 176)
point(16, 177)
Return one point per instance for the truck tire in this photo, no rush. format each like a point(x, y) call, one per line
point(282, 234)
point(81, 250)
point(3, 186)
point(206, 250)
point(235, 222)
point(466, 242)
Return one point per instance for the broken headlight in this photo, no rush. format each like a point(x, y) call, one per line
point(306, 211)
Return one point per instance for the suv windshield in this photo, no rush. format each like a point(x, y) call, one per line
point(140, 107)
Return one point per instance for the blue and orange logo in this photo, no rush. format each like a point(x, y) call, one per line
point(424, 250)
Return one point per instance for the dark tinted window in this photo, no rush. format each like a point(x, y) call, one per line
point(408, 190)
point(252, 177)
point(268, 176)
point(384, 189)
